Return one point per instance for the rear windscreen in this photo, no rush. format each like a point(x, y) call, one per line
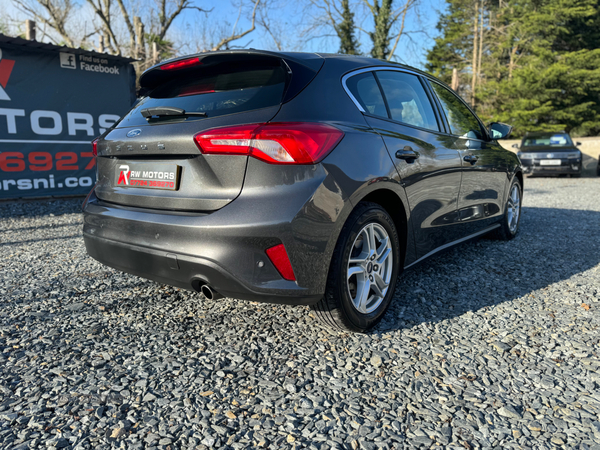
point(218, 90)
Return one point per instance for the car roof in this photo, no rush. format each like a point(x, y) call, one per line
point(312, 60)
point(358, 60)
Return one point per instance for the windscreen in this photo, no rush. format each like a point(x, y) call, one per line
point(218, 90)
point(558, 140)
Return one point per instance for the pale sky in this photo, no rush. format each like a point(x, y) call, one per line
point(289, 21)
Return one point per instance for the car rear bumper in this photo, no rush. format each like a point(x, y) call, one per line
point(226, 248)
point(185, 271)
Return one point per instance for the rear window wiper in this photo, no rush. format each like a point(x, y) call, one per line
point(169, 111)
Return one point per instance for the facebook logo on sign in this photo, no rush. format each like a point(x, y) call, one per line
point(67, 61)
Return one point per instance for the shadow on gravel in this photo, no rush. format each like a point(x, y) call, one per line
point(42, 227)
point(28, 241)
point(40, 208)
point(553, 245)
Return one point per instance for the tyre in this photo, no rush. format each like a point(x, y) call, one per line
point(363, 271)
point(575, 175)
point(509, 227)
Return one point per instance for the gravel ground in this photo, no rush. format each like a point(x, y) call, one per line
point(491, 345)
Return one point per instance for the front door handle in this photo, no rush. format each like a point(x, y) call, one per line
point(407, 154)
point(471, 159)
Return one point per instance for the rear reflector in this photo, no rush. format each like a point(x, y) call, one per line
point(95, 147)
point(281, 261)
point(275, 143)
point(181, 64)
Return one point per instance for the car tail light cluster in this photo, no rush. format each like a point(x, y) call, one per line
point(95, 147)
point(275, 143)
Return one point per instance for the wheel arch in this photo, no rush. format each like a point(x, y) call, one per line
point(394, 206)
point(519, 176)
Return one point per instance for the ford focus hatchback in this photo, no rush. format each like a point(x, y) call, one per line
point(295, 178)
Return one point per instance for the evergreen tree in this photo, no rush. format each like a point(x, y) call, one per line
point(383, 23)
point(345, 31)
point(454, 45)
point(540, 64)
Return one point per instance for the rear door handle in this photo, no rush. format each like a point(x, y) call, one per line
point(407, 154)
point(471, 159)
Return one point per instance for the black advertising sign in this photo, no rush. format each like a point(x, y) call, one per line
point(53, 104)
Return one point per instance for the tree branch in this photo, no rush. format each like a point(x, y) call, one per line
point(127, 23)
point(407, 6)
point(105, 18)
point(57, 16)
point(233, 37)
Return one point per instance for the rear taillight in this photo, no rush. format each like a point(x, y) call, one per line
point(275, 143)
point(95, 147)
point(181, 64)
point(281, 261)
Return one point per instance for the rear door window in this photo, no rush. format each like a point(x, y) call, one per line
point(407, 100)
point(366, 91)
point(223, 89)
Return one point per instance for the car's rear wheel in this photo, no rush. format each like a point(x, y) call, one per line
point(509, 226)
point(363, 271)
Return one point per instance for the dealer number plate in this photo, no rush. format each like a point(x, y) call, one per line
point(148, 176)
point(550, 162)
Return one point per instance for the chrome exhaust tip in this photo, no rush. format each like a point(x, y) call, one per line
point(209, 293)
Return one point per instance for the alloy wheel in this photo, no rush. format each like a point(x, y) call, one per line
point(370, 268)
point(514, 208)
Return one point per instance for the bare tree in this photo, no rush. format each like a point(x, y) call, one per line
point(234, 36)
point(399, 17)
point(55, 16)
point(122, 28)
point(331, 16)
point(277, 30)
point(103, 10)
point(4, 26)
point(113, 14)
point(388, 21)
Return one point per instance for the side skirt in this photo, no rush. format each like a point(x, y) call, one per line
point(453, 243)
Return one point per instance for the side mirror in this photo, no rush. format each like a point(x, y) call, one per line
point(500, 130)
point(515, 146)
point(577, 144)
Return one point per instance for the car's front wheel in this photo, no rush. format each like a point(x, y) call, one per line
point(363, 271)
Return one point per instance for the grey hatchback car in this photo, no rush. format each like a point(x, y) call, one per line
point(296, 178)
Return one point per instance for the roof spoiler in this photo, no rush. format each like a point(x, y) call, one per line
point(302, 67)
